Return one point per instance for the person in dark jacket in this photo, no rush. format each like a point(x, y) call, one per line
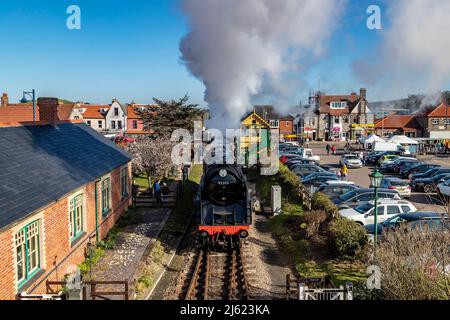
point(157, 192)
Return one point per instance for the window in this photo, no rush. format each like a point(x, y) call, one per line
point(336, 120)
point(106, 187)
point(76, 217)
point(446, 121)
point(119, 124)
point(100, 123)
point(134, 124)
point(124, 182)
point(338, 105)
point(287, 123)
point(406, 209)
point(116, 111)
point(27, 252)
point(393, 210)
point(113, 124)
point(435, 122)
point(88, 123)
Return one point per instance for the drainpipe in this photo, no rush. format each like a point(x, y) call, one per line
point(96, 211)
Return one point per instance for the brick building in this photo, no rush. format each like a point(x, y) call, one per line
point(395, 124)
point(286, 127)
point(343, 117)
point(436, 121)
point(62, 186)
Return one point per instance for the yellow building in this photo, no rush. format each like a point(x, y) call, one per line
point(256, 143)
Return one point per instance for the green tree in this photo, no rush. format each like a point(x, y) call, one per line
point(169, 115)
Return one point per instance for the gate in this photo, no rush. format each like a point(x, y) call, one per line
point(316, 289)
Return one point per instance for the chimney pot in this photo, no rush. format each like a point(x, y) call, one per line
point(48, 109)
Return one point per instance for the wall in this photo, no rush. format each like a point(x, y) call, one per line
point(60, 256)
point(120, 117)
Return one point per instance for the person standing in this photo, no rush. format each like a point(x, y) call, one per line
point(157, 192)
point(328, 149)
point(344, 172)
point(361, 157)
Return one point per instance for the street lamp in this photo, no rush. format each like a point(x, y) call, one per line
point(375, 180)
point(30, 94)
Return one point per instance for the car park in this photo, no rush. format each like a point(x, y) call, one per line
point(401, 186)
point(351, 161)
point(334, 189)
point(429, 185)
point(364, 213)
point(353, 198)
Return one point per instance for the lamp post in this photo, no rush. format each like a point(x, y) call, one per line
point(30, 94)
point(375, 180)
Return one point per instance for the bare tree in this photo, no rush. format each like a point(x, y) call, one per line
point(152, 157)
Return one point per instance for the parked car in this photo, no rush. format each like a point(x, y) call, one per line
point(351, 161)
point(303, 170)
point(353, 198)
point(429, 185)
point(400, 163)
point(429, 173)
point(298, 160)
point(417, 169)
point(319, 173)
point(318, 180)
point(443, 189)
point(398, 220)
point(374, 157)
point(387, 159)
point(364, 213)
point(401, 186)
point(333, 189)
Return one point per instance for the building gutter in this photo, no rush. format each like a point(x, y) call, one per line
point(96, 211)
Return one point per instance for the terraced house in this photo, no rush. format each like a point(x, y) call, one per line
point(62, 186)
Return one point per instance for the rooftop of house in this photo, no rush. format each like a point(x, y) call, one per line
point(17, 113)
point(93, 111)
point(133, 108)
point(398, 121)
point(440, 112)
point(41, 163)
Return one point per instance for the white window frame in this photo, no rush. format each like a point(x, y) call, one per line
point(338, 105)
point(435, 122)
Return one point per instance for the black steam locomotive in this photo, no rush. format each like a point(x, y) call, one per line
point(223, 204)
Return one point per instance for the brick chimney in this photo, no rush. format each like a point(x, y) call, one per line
point(5, 100)
point(363, 92)
point(445, 98)
point(48, 110)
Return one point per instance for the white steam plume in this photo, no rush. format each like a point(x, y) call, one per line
point(243, 48)
point(415, 50)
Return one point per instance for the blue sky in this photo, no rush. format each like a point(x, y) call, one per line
point(129, 50)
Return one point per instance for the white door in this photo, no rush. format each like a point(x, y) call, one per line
point(370, 217)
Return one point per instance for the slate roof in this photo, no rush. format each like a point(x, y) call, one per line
point(41, 163)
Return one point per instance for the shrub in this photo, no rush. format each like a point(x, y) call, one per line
point(311, 223)
point(322, 202)
point(414, 264)
point(346, 238)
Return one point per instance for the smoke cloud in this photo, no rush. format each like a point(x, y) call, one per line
point(414, 54)
point(243, 48)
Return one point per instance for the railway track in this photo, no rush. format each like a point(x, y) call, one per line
point(218, 276)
